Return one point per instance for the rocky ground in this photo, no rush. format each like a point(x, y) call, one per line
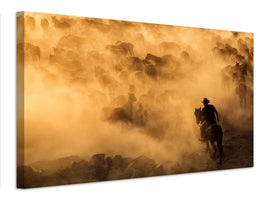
point(238, 152)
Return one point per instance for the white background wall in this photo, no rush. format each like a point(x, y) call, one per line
point(238, 15)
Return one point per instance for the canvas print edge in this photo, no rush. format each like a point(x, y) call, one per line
point(20, 96)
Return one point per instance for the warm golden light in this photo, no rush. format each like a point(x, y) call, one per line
point(123, 88)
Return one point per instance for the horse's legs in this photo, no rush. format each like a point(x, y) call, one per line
point(214, 148)
point(207, 146)
point(220, 147)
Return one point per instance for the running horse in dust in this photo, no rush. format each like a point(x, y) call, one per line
point(213, 134)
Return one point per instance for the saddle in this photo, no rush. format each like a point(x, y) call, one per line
point(210, 126)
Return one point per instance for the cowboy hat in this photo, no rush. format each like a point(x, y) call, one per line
point(205, 100)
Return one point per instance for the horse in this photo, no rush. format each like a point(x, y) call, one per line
point(212, 134)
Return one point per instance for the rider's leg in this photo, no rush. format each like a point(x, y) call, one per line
point(202, 132)
point(202, 129)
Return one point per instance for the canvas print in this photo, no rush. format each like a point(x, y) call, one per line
point(101, 99)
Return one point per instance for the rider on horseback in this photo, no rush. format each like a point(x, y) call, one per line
point(208, 116)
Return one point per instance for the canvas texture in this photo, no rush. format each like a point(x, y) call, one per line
point(101, 99)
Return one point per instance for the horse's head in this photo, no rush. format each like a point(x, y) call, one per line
point(197, 114)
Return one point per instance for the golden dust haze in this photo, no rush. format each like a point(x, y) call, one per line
point(115, 87)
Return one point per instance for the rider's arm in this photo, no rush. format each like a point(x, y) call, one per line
point(216, 113)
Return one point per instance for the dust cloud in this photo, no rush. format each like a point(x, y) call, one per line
point(124, 88)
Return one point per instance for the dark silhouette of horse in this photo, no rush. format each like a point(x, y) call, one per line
point(213, 134)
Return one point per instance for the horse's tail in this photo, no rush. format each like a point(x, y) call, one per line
point(218, 130)
point(219, 133)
